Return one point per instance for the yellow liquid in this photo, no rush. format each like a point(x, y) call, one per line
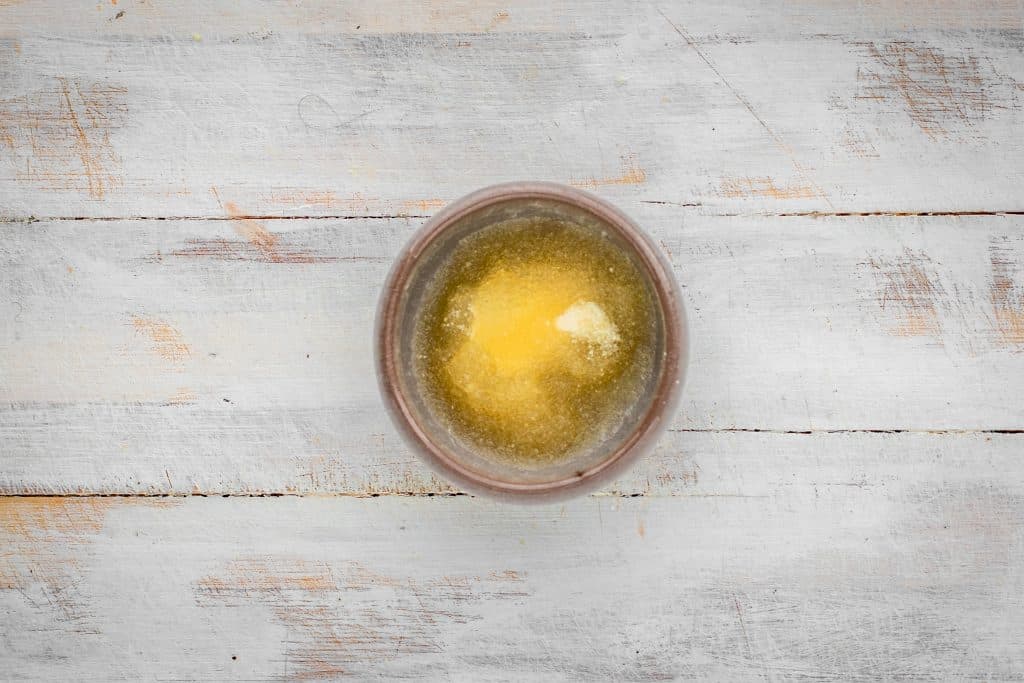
point(535, 339)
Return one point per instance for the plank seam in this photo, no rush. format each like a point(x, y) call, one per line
point(868, 214)
point(239, 217)
point(268, 494)
point(347, 494)
point(754, 430)
point(400, 216)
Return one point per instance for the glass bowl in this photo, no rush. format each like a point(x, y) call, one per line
point(403, 298)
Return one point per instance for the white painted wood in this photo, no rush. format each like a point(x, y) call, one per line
point(395, 108)
point(840, 496)
point(235, 356)
point(248, 458)
point(919, 578)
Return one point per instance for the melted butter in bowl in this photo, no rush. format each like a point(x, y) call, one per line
point(530, 341)
point(535, 337)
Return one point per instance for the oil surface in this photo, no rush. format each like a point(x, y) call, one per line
point(536, 337)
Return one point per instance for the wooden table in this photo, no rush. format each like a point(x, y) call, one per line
point(201, 199)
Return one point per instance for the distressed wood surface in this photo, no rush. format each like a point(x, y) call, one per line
point(136, 109)
point(198, 204)
point(907, 580)
point(235, 356)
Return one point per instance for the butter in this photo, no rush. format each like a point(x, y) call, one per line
point(537, 337)
point(587, 321)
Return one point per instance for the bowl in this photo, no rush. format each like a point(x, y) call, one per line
point(404, 396)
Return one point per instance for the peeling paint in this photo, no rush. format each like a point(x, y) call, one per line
point(1006, 293)
point(332, 473)
point(167, 341)
point(297, 197)
point(60, 137)
point(943, 92)
point(632, 174)
point(327, 636)
point(182, 396)
point(42, 539)
point(500, 17)
point(257, 244)
point(423, 205)
point(35, 517)
point(858, 143)
point(908, 289)
point(765, 187)
point(327, 200)
point(253, 232)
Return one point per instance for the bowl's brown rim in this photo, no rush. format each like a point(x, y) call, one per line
point(666, 395)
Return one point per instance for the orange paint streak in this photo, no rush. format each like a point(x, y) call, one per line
point(324, 198)
point(36, 517)
point(1006, 294)
point(506, 575)
point(942, 92)
point(168, 342)
point(258, 243)
point(765, 187)
point(423, 205)
point(227, 250)
point(90, 159)
point(357, 203)
point(182, 396)
point(500, 17)
point(919, 324)
point(632, 174)
point(41, 542)
point(252, 231)
point(344, 617)
point(908, 288)
point(60, 138)
point(362, 578)
point(255, 575)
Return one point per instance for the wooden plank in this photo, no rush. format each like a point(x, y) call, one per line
point(841, 496)
point(917, 578)
point(235, 356)
point(256, 455)
point(311, 109)
point(220, 19)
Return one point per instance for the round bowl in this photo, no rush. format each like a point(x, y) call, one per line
point(403, 297)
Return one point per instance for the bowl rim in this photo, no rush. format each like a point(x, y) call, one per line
point(648, 426)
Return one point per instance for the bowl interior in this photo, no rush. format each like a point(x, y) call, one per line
point(446, 446)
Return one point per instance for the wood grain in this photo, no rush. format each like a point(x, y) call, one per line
point(316, 110)
point(235, 355)
point(905, 581)
point(198, 204)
